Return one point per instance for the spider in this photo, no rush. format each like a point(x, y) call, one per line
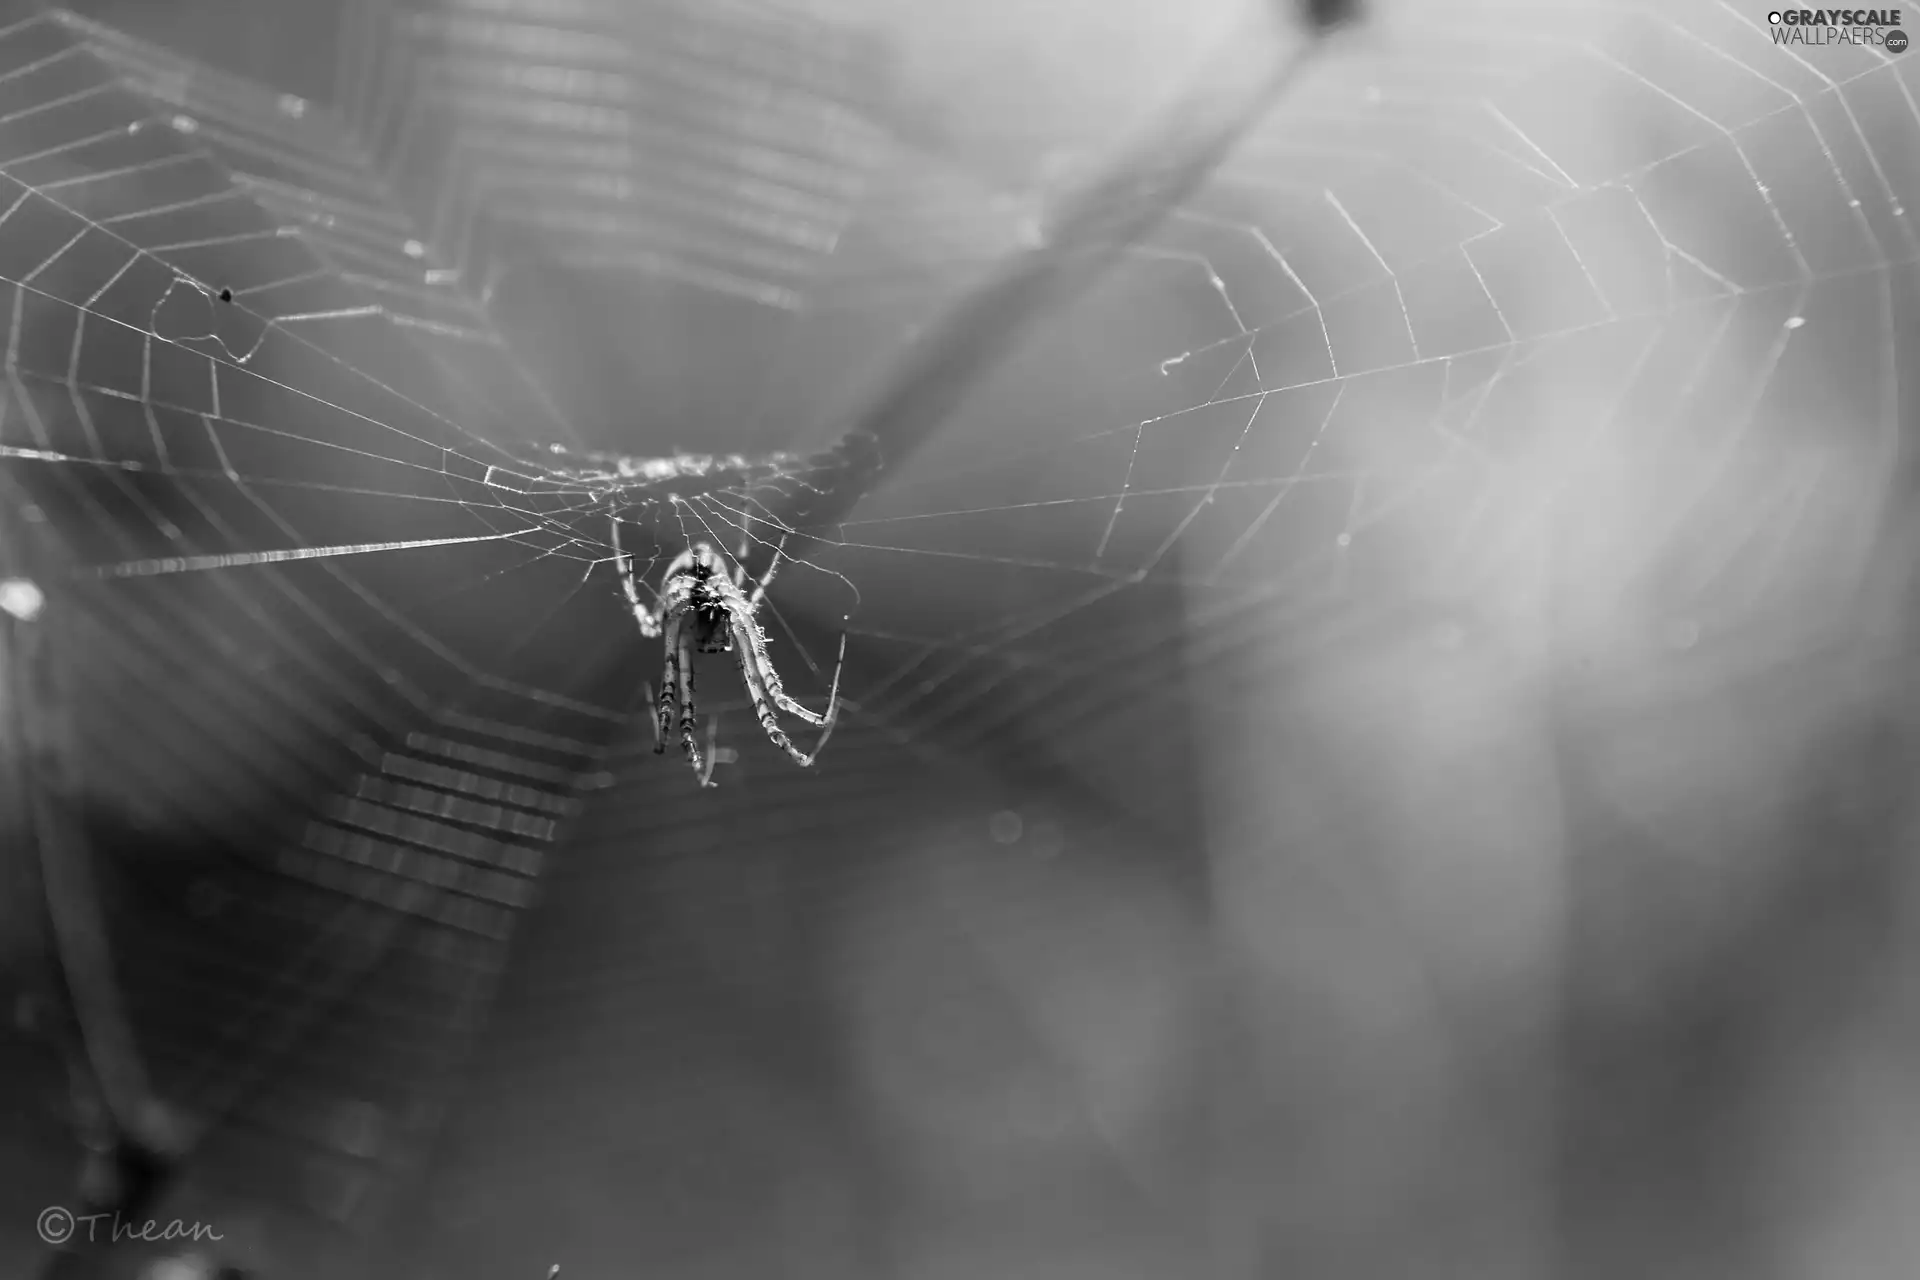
point(703, 607)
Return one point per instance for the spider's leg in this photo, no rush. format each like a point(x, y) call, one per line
point(759, 674)
point(649, 619)
point(713, 749)
point(659, 743)
point(747, 629)
point(689, 721)
point(832, 715)
point(757, 693)
point(766, 579)
point(669, 687)
point(740, 558)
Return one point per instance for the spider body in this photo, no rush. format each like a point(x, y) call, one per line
point(703, 606)
point(703, 590)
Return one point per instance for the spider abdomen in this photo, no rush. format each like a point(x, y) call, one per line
point(712, 630)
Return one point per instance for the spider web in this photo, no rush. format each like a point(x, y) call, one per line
point(1425, 297)
point(264, 382)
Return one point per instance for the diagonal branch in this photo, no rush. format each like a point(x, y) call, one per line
point(1089, 231)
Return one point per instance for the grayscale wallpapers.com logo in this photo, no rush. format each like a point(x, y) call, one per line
point(1877, 27)
point(58, 1225)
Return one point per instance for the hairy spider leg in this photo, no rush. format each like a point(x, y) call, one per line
point(766, 579)
point(748, 626)
point(689, 720)
point(669, 688)
point(757, 637)
point(713, 736)
point(659, 743)
point(758, 672)
point(713, 749)
point(832, 715)
point(762, 707)
point(649, 619)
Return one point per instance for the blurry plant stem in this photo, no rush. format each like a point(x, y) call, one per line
point(81, 1009)
point(1082, 237)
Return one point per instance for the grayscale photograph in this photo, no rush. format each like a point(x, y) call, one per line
point(1008, 640)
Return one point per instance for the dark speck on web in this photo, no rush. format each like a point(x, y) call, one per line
point(226, 295)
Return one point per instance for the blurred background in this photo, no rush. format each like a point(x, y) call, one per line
point(1380, 741)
